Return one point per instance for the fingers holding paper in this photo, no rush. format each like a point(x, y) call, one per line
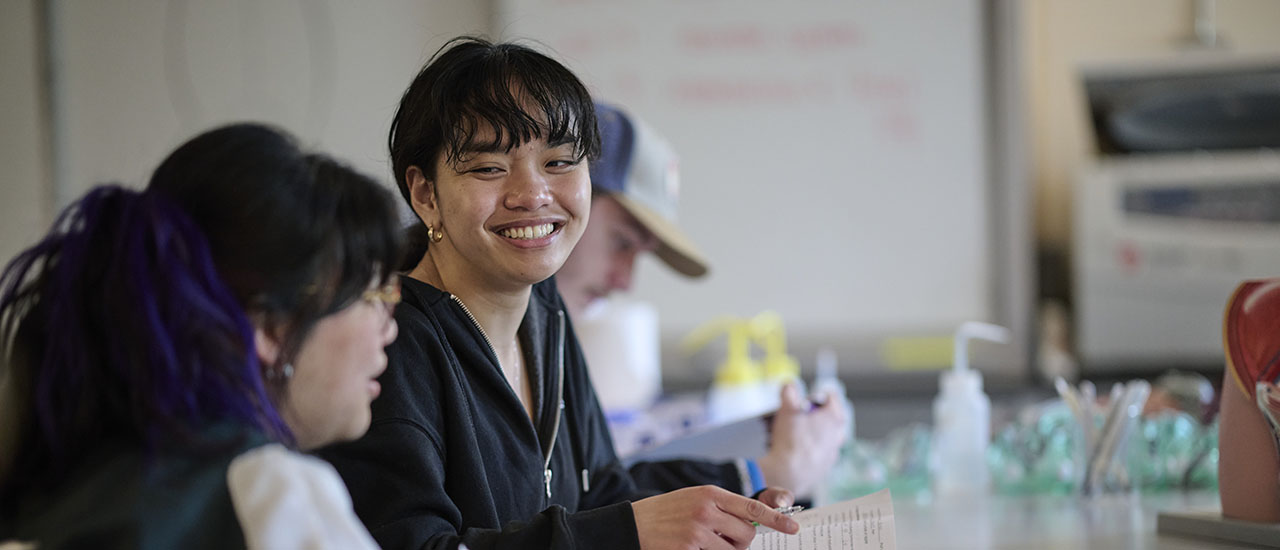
point(704, 517)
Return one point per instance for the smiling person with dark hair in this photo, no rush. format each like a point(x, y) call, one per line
point(169, 350)
point(488, 432)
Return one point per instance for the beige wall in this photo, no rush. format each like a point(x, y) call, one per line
point(1061, 34)
point(25, 198)
point(116, 111)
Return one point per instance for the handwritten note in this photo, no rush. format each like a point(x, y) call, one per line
point(864, 523)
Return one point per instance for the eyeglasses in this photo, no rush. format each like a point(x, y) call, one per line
point(384, 298)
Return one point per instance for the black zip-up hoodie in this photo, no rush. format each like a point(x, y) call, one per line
point(451, 456)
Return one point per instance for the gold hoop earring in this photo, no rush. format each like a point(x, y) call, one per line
point(435, 234)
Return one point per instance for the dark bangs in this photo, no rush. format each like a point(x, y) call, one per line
point(364, 241)
point(357, 242)
point(516, 98)
point(476, 96)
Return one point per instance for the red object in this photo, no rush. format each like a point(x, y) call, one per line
point(1251, 333)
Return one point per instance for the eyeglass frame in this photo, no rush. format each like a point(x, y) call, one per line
point(384, 297)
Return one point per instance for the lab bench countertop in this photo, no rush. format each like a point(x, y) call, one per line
point(1061, 522)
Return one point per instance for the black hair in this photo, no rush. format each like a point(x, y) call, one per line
point(130, 321)
point(472, 85)
point(320, 232)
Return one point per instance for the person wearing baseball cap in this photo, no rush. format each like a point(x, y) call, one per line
point(635, 185)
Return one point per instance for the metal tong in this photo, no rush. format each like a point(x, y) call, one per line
point(1102, 447)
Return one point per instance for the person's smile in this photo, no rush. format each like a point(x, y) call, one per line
point(530, 233)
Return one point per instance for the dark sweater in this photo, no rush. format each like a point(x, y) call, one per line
point(120, 497)
point(669, 475)
point(451, 456)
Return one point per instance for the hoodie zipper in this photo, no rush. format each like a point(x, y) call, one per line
point(559, 401)
point(483, 334)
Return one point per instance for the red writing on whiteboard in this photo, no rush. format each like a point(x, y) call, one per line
point(722, 38)
point(631, 82)
point(585, 43)
point(900, 126)
point(715, 90)
point(826, 36)
point(879, 87)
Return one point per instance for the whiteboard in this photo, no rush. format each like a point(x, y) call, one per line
point(833, 153)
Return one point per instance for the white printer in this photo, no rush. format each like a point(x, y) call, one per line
point(1180, 205)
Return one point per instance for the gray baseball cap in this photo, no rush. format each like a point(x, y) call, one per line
point(641, 171)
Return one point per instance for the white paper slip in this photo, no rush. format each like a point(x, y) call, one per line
point(864, 523)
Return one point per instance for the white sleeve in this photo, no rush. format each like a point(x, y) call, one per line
point(287, 500)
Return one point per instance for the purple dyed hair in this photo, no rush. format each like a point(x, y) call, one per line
point(117, 325)
point(129, 323)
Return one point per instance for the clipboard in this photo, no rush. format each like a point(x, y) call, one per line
point(748, 437)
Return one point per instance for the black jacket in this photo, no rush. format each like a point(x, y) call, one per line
point(451, 456)
point(120, 496)
point(669, 475)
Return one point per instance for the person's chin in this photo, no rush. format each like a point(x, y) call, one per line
point(527, 277)
point(359, 425)
point(535, 270)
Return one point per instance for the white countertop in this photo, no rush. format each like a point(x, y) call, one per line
point(990, 522)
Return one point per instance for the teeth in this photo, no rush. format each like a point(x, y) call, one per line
point(527, 232)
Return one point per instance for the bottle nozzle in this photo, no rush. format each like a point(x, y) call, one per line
point(826, 364)
point(738, 367)
point(767, 329)
point(970, 330)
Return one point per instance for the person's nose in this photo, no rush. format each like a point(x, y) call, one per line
point(527, 189)
point(390, 331)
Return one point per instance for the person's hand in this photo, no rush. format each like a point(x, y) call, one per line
point(704, 517)
point(805, 443)
point(776, 497)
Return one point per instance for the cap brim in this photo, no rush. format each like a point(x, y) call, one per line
point(674, 248)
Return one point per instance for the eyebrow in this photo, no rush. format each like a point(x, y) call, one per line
point(491, 147)
point(499, 147)
point(566, 139)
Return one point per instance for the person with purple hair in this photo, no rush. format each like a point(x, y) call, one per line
point(168, 352)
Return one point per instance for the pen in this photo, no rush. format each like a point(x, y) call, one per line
point(784, 510)
point(789, 510)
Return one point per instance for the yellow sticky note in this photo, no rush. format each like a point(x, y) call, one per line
point(917, 353)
